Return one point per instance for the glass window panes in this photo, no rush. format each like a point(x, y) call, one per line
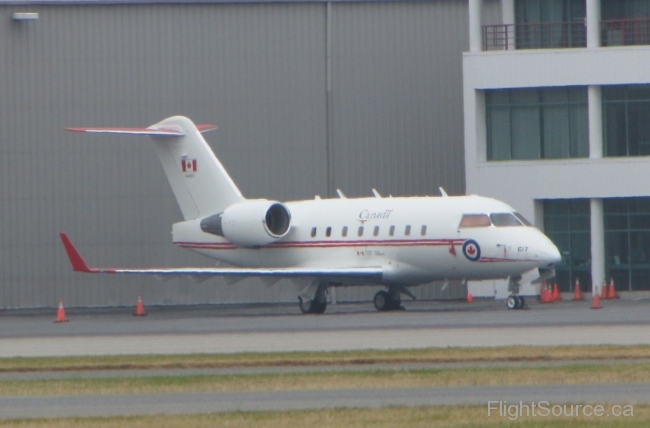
point(567, 224)
point(522, 219)
point(550, 23)
point(627, 242)
point(344, 231)
point(475, 220)
point(541, 123)
point(504, 220)
point(626, 120)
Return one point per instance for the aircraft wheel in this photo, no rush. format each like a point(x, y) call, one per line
point(522, 302)
point(319, 307)
point(512, 302)
point(306, 306)
point(394, 301)
point(381, 301)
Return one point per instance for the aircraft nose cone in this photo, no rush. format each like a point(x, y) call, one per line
point(550, 253)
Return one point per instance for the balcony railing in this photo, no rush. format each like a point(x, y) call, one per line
point(554, 35)
point(625, 32)
point(542, 35)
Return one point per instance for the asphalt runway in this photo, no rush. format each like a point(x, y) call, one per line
point(233, 329)
point(150, 404)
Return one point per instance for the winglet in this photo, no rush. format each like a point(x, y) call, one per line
point(78, 263)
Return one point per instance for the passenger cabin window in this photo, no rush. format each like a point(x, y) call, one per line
point(475, 220)
point(407, 230)
point(376, 231)
point(313, 232)
point(360, 232)
point(344, 232)
point(423, 230)
point(391, 231)
point(328, 231)
point(522, 219)
point(504, 220)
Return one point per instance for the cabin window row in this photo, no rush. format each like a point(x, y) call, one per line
point(375, 231)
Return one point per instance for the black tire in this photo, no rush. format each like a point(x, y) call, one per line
point(306, 306)
point(395, 301)
point(512, 302)
point(522, 303)
point(381, 301)
point(319, 307)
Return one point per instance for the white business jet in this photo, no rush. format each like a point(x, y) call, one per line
point(322, 243)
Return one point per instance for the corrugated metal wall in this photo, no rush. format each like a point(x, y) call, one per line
point(259, 71)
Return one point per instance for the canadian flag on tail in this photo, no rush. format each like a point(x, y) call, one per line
point(188, 165)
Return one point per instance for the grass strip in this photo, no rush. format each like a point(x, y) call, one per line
point(583, 373)
point(389, 417)
point(435, 355)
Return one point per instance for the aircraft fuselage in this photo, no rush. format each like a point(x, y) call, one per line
point(415, 240)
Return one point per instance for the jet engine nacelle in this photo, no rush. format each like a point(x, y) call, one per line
point(250, 223)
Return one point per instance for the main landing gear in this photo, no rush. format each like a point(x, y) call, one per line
point(387, 300)
point(514, 301)
point(315, 306)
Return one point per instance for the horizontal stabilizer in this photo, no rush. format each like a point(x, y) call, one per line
point(361, 273)
point(158, 132)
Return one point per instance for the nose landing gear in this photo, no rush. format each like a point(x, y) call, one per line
point(514, 301)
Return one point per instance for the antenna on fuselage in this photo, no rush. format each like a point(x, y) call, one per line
point(341, 194)
point(376, 193)
point(443, 193)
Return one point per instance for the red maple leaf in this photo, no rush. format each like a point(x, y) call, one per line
point(471, 251)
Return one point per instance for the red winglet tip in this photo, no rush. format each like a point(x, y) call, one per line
point(78, 263)
point(206, 127)
point(75, 129)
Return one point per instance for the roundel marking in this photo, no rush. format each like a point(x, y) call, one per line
point(471, 250)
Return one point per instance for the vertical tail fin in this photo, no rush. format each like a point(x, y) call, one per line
point(199, 181)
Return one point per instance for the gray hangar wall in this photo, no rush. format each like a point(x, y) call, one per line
point(391, 120)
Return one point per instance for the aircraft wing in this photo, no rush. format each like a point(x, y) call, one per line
point(361, 273)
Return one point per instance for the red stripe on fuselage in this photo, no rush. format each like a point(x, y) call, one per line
point(330, 244)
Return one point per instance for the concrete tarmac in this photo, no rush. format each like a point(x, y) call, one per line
point(343, 327)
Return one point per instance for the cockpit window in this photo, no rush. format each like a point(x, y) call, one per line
point(504, 220)
point(475, 220)
point(522, 219)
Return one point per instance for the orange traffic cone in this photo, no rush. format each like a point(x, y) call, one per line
point(611, 293)
point(603, 291)
point(556, 293)
point(60, 316)
point(577, 293)
point(470, 298)
point(596, 301)
point(139, 308)
point(545, 294)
